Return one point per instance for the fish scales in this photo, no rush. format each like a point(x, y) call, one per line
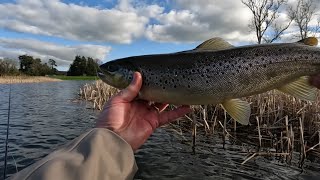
point(218, 73)
point(211, 77)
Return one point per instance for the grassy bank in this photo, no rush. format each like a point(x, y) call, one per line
point(62, 77)
point(279, 123)
point(25, 79)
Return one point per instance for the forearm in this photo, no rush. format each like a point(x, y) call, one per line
point(97, 154)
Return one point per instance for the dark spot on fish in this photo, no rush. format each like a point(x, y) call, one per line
point(193, 70)
point(183, 76)
point(247, 68)
point(262, 59)
point(270, 62)
point(207, 81)
point(160, 80)
point(163, 87)
point(250, 64)
point(238, 70)
point(279, 50)
point(189, 86)
point(175, 86)
point(306, 57)
point(256, 54)
point(232, 57)
point(220, 63)
point(202, 75)
point(264, 65)
point(166, 81)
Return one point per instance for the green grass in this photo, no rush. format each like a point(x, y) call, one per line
point(62, 77)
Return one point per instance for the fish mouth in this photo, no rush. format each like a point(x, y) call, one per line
point(102, 75)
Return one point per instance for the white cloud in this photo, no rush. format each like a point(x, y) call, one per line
point(200, 20)
point(70, 21)
point(63, 54)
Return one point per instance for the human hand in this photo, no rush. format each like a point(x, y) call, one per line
point(135, 120)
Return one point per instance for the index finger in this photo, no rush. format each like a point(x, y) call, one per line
point(170, 116)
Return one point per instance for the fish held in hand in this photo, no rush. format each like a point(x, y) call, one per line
point(216, 72)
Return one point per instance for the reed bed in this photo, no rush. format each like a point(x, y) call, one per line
point(26, 79)
point(279, 124)
point(98, 93)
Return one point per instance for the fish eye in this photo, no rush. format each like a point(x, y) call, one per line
point(112, 68)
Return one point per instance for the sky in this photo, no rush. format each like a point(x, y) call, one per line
point(111, 29)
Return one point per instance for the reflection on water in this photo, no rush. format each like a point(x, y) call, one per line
point(46, 115)
point(168, 156)
point(43, 117)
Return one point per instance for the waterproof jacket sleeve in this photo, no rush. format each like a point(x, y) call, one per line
point(96, 154)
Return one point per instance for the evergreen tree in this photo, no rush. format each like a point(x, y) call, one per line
point(91, 69)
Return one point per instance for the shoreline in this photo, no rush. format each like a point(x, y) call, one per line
point(26, 79)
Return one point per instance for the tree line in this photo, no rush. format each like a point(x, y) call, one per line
point(83, 66)
point(29, 65)
point(265, 18)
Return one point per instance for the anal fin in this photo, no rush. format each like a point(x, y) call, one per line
point(301, 89)
point(239, 110)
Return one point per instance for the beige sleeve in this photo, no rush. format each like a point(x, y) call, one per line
point(97, 154)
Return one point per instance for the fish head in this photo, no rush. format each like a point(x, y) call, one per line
point(117, 73)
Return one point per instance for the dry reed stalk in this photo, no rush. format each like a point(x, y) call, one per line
point(273, 110)
point(98, 93)
point(257, 118)
point(227, 133)
point(313, 147)
point(215, 122)
point(224, 127)
point(26, 79)
point(302, 146)
point(281, 142)
point(204, 117)
point(263, 154)
point(194, 132)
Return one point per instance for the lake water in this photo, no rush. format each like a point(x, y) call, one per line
point(47, 115)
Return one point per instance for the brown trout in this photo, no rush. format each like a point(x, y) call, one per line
point(218, 73)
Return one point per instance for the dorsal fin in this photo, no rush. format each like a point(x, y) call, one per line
point(215, 43)
point(310, 41)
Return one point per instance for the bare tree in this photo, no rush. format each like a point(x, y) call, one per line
point(265, 13)
point(302, 14)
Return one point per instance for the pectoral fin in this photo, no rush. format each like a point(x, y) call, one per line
point(239, 110)
point(301, 89)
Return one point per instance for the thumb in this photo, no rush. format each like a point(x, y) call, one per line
point(129, 93)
